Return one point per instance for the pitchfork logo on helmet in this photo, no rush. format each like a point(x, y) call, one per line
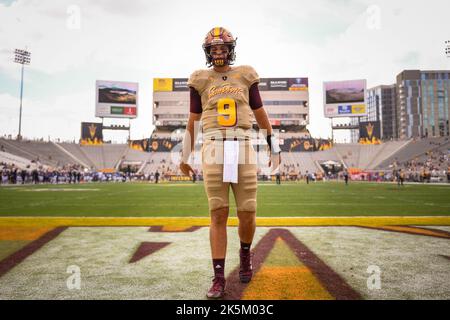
point(219, 36)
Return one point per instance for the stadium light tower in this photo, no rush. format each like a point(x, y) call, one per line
point(22, 57)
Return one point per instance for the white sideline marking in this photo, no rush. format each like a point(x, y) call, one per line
point(58, 189)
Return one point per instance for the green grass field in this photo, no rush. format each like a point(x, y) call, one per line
point(187, 199)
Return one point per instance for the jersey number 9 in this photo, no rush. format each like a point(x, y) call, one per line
point(226, 108)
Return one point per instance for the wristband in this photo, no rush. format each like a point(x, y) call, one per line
point(273, 144)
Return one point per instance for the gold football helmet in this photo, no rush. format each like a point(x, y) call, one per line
point(219, 36)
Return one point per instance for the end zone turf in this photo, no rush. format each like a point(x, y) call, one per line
point(168, 258)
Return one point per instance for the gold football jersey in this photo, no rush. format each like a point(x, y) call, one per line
point(225, 98)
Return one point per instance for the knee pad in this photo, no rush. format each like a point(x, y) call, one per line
point(247, 205)
point(216, 203)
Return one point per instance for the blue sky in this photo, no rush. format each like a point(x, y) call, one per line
point(76, 42)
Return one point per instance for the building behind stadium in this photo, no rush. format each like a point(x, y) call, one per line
point(416, 106)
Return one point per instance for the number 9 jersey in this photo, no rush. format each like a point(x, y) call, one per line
point(225, 98)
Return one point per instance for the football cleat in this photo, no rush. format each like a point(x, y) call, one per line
point(245, 269)
point(217, 289)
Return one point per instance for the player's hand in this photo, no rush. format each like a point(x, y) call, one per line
point(186, 169)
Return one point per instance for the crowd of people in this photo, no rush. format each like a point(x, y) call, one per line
point(434, 167)
point(11, 174)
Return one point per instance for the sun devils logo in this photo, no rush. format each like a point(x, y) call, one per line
point(369, 129)
point(92, 130)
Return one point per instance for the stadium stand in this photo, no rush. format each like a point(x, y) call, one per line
point(301, 161)
point(112, 154)
point(142, 159)
point(412, 150)
point(386, 151)
point(19, 162)
point(160, 161)
point(95, 154)
point(366, 154)
point(11, 147)
point(348, 153)
point(426, 157)
point(325, 155)
point(75, 151)
point(438, 157)
point(43, 152)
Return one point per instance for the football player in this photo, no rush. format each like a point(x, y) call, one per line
point(225, 98)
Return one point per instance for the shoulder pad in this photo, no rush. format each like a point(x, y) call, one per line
point(198, 80)
point(249, 74)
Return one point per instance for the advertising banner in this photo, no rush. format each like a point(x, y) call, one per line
point(116, 99)
point(162, 84)
point(345, 98)
point(304, 145)
point(283, 84)
point(140, 145)
point(180, 84)
point(162, 145)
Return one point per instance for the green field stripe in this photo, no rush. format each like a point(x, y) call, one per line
point(321, 199)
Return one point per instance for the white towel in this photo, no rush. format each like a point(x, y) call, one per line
point(230, 161)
